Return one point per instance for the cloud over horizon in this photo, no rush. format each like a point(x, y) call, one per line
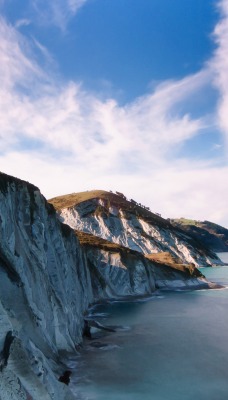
point(75, 141)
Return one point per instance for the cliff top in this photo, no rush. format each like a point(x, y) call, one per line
point(167, 259)
point(115, 199)
point(164, 257)
point(207, 225)
point(5, 180)
point(72, 199)
point(208, 233)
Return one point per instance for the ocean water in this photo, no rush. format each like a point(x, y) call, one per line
point(173, 346)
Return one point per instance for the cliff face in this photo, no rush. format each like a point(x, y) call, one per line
point(115, 219)
point(207, 233)
point(120, 271)
point(45, 288)
point(49, 275)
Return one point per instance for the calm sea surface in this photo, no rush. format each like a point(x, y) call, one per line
point(171, 347)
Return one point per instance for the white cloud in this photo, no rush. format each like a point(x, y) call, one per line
point(74, 5)
point(16, 65)
point(216, 146)
point(101, 133)
point(219, 65)
point(65, 139)
point(22, 22)
point(176, 190)
point(57, 12)
point(46, 55)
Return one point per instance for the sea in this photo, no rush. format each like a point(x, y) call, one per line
point(171, 346)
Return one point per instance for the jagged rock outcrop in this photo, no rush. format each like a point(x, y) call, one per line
point(113, 218)
point(48, 278)
point(207, 233)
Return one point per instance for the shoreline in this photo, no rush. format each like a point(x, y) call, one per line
point(201, 283)
point(71, 360)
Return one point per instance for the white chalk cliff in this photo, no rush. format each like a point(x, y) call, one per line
point(118, 220)
point(48, 279)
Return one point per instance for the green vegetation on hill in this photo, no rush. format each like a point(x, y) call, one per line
point(207, 233)
point(185, 221)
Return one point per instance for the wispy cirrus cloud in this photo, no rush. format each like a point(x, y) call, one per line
point(74, 5)
point(66, 117)
point(219, 66)
point(63, 138)
point(22, 22)
point(17, 66)
point(58, 12)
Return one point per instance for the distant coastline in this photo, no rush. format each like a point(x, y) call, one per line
point(223, 256)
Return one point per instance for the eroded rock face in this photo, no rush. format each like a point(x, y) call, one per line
point(118, 274)
point(48, 279)
point(45, 289)
point(123, 273)
point(136, 231)
point(209, 234)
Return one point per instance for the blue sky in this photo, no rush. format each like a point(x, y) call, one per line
point(126, 95)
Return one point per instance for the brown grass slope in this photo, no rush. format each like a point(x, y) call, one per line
point(169, 260)
point(88, 239)
point(71, 200)
point(163, 259)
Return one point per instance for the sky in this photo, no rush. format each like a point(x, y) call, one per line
point(126, 95)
